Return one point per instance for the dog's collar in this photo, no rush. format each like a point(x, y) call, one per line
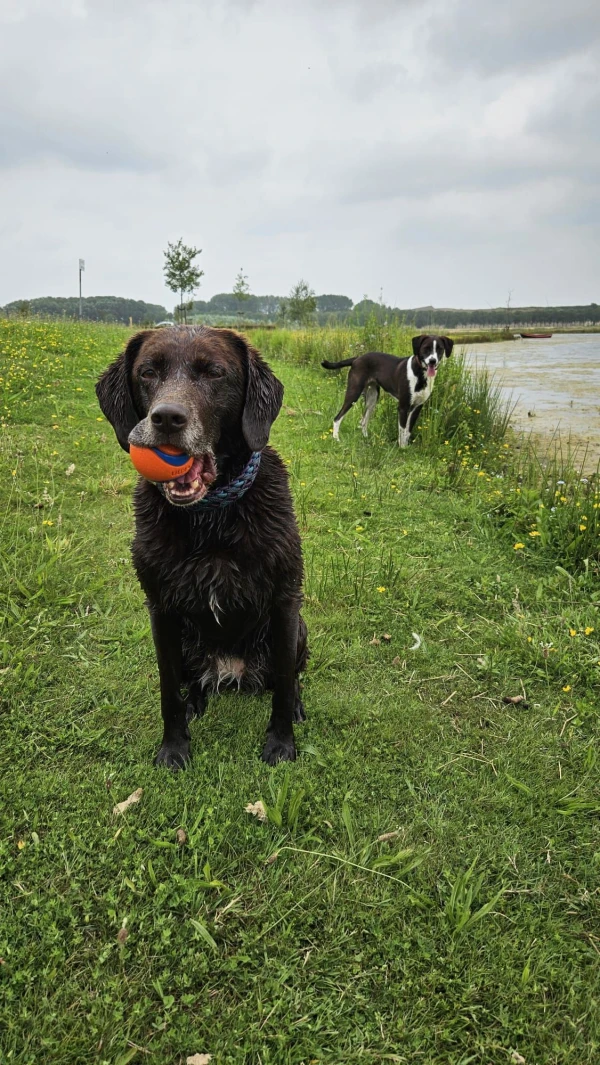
point(228, 493)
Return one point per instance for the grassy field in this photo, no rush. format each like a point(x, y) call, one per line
point(426, 887)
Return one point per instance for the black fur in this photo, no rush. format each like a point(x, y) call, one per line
point(223, 587)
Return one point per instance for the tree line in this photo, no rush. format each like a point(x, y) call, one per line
point(501, 317)
point(326, 309)
point(301, 307)
point(94, 309)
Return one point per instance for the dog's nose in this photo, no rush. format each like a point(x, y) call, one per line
point(169, 417)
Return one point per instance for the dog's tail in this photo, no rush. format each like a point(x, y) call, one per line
point(337, 365)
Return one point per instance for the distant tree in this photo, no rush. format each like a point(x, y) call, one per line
point(333, 303)
point(223, 303)
point(95, 309)
point(180, 273)
point(364, 309)
point(241, 290)
point(302, 303)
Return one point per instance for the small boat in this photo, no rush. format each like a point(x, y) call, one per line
point(536, 336)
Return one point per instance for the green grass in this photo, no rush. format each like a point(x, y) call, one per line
point(470, 934)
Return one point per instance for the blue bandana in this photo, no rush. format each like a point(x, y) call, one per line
point(227, 493)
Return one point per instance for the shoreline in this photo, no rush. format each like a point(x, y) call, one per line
point(494, 336)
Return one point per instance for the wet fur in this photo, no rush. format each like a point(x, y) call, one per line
point(226, 584)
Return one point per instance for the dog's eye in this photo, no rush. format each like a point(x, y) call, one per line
point(148, 373)
point(215, 371)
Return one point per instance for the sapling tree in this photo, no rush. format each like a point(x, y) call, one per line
point(180, 273)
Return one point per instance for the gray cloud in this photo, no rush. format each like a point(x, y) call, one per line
point(25, 139)
point(344, 142)
point(513, 35)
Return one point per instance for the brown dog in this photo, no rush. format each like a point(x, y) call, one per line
point(217, 551)
point(410, 381)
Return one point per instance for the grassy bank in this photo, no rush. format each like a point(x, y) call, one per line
point(426, 887)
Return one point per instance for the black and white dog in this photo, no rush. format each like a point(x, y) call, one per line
point(410, 381)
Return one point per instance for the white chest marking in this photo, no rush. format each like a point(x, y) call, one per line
point(226, 670)
point(417, 398)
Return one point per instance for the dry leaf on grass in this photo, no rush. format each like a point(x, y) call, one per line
point(517, 1058)
point(375, 641)
point(70, 470)
point(257, 809)
point(133, 798)
point(122, 936)
point(272, 858)
point(396, 661)
point(514, 700)
point(181, 837)
point(388, 835)
point(199, 1059)
point(386, 637)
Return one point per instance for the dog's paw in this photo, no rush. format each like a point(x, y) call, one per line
point(299, 711)
point(174, 755)
point(278, 750)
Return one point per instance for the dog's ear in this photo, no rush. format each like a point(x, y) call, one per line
point(264, 396)
point(114, 391)
point(417, 341)
point(448, 345)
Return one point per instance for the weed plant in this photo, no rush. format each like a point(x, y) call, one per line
point(424, 884)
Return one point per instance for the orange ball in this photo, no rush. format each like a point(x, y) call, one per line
point(160, 463)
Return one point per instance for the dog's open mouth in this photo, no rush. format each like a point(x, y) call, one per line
point(192, 486)
point(431, 370)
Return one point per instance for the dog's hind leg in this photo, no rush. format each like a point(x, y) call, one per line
point(371, 394)
point(301, 660)
point(299, 711)
point(195, 702)
point(353, 390)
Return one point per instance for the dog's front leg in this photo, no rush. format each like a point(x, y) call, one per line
point(175, 748)
point(413, 419)
point(403, 429)
point(280, 746)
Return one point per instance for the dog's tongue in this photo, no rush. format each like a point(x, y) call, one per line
point(431, 371)
point(203, 469)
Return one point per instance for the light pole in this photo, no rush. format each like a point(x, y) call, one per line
point(81, 269)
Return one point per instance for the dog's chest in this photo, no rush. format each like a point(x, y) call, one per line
point(417, 392)
point(216, 591)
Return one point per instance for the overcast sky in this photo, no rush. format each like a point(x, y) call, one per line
point(443, 151)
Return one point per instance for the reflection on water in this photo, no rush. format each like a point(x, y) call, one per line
point(555, 382)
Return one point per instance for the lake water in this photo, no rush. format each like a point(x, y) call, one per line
point(555, 384)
